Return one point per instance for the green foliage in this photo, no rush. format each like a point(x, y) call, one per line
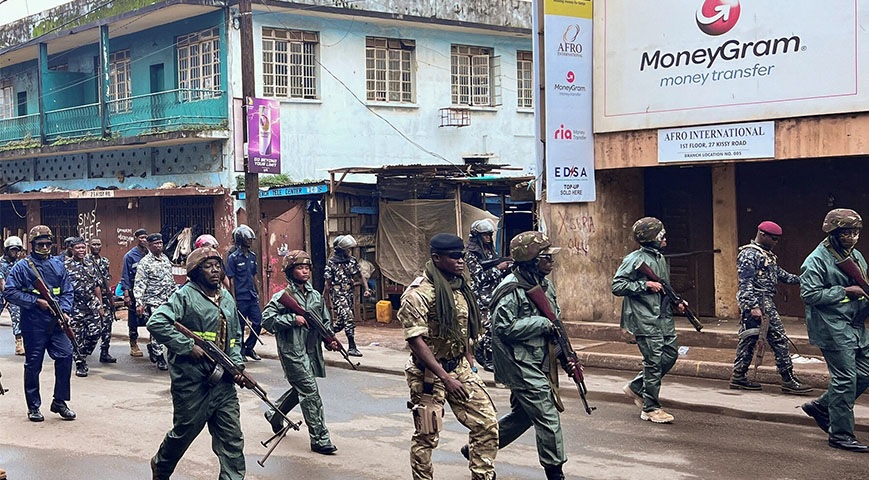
point(71, 18)
point(278, 180)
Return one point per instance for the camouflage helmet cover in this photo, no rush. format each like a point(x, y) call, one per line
point(40, 231)
point(841, 218)
point(196, 257)
point(295, 257)
point(528, 245)
point(647, 229)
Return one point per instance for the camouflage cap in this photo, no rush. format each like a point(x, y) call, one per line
point(647, 229)
point(295, 257)
point(196, 257)
point(528, 245)
point(40, 231)
point(841, 218)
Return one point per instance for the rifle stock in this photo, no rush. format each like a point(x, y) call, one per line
point(54, 308)
point(850, 268)
point(760, 347)
point(487, 264)
point(671, 295)
point(566, 355)
point(289, 302)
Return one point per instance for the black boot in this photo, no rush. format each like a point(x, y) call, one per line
point(790, 384)
point(81, 369)
point(105, 357)
point(351, 347)
point(738, 381)
point(554, 473)
point(819, 413)
point(275, 419)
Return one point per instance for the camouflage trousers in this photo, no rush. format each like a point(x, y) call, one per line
point(87, 328)
point(15, 313)
point(476, 413)
point(342, 308)
point(775, 336)
point(106, 325)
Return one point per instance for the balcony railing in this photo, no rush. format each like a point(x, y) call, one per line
point(171, 110)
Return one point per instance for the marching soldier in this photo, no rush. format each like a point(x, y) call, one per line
point(101, 265)
point(759, 273)
point(40, 329)
point(87, 307)
point(153, 286)
point(12, 249)
point(342, 275)
point(648, 316)
point(481, 247)
point(439, 314)
point(836, 311)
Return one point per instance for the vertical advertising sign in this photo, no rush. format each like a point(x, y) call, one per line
point(567, 71)
point(263, 136)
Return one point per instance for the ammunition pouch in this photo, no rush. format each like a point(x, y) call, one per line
point(428, 414)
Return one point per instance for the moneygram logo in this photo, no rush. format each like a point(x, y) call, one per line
point(569, 46)
point(717, 17)
point(569, 88)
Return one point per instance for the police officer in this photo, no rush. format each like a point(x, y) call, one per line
point(342, 275)
point(241, 268)
point(481, 248)
point(523, 352)
point(128, 278)
point(836, 310)
point(299, 346)
point(758, 274)
point(153, 286)
point(102, 265)
point(648, 316)
point(439, 315)
point(12, 248)
point(87, 307)
point(39, 328)
point(204, 307)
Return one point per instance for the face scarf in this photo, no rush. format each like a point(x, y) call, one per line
point(446, 306)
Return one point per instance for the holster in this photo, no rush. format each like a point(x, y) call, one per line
point(428, 415)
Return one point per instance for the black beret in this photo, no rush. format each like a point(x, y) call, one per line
point(140, 232)
point(155, 237)
point(446, 242)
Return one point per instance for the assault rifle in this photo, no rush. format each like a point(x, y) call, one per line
point(54, 307)
point(760, 346)
point(564, 351)
point(289, 302)
point(671, 295)
point(487, 264)
point(850, 268)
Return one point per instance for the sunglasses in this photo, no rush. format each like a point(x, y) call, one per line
point(545, 256)
point(774, 238)
point(42, 244)
point(455, 255)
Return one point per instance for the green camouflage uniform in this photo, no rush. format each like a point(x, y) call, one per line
point(195, 402)
point(419, 318)
point(301, 354)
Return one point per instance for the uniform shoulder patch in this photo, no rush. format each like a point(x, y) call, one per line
point(416, 282)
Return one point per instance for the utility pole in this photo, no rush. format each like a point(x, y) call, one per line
point(248, 90)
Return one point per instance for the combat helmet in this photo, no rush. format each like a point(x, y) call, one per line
point(647, 229)
point(40, 231)
point(206, 240)
point(482, 226)
point(841, 218)
point(344, 242)
point(242, 232)
point(528, 245)
point(295, 257)
point(12, 242)
point(196, 257)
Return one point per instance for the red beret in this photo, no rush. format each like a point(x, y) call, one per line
point(771, 228)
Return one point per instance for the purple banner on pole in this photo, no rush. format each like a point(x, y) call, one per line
point(263, 136)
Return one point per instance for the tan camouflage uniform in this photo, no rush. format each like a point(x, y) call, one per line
point(417, 316)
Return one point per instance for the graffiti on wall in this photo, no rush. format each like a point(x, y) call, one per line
point(88, 225)
point(574, 231)
point(125, 236)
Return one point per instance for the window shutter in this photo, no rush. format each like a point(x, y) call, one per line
point(495, 75)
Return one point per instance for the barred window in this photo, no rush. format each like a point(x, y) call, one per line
point(471, 75)
point(389, 69)
point(290, 63)
point(525, 79)
point(199, 64)
point(119, 81)
point(7, 103)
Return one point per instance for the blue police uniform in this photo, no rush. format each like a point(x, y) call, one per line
point(242, 268)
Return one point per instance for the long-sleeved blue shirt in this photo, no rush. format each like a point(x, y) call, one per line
point(20, 290)
point(131, 263)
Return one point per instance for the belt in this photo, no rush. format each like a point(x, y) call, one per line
point(448, 365)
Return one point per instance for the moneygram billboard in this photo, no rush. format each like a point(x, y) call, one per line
point(688, 62)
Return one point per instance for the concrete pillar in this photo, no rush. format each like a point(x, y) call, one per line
point(724, 237)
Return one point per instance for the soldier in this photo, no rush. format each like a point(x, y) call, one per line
point(39, 328)
point(299, 348)
point(758, 274)
point(241, 268)
point(836, 311)
point(439, 315)
point(87, 307)
point(523, 352)
point(12, 249)
point(204, 307)
point(153, 286)
point(101, 265)
point(128, 278)
point(481, 248)
point(647, 316)
point(342, 275)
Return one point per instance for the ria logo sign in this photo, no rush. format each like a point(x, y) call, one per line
point(717, 17)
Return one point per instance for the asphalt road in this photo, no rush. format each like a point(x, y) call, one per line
point(124, 410)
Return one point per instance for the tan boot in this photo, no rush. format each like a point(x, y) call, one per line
point(134, 349)
point(19, 348)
